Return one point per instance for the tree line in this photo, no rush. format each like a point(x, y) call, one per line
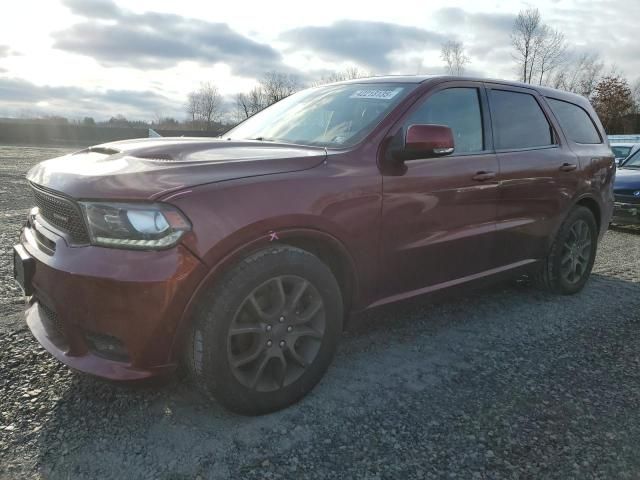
point(204, 105)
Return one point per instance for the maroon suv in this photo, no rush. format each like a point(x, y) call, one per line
point(243, 255)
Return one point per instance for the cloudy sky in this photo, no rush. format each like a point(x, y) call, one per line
point(140, 58)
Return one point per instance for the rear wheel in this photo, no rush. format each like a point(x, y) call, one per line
point(267, 333)
point(568, 265)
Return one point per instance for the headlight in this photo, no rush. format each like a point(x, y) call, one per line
point(129, 225)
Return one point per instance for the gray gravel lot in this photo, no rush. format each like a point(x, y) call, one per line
point(503, 383)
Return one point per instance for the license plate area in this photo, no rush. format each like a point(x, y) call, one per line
point(24, 267)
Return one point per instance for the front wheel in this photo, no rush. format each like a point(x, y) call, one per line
point(267, 333)
point(568, 265)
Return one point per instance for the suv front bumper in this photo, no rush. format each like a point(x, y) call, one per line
point(108, 312)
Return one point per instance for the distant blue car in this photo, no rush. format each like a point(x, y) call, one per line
point(627, 191)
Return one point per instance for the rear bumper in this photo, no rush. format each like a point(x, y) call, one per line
point(131, 301)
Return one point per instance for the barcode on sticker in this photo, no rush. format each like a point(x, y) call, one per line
point(378, 94)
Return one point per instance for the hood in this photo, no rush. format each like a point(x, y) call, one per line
point(151, 168)
point(627, 179)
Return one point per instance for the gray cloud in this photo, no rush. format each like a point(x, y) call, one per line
point(6, 51)
point(489, 32)
point(364, 42)
point(611, 32)
point(75, 101)
point(117, 37)
point(104, 9)
point(456, 18)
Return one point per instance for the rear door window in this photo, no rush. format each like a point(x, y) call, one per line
point(459, 109)
point(518, 121)
point(575, 121)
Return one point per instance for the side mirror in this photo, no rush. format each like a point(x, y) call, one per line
point(426, 141)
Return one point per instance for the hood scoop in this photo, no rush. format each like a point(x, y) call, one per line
point(102, 150)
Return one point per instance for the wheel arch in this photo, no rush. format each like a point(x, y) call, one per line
point(592, 204)
point(334, 255)
point(330, 250)
point(585, 200)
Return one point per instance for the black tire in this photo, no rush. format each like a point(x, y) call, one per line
point(243, 301)
point(554, 275)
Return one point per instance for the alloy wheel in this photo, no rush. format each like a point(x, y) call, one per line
point(276, 333)
point(576, 252)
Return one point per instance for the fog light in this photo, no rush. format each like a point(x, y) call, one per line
point(107, 347)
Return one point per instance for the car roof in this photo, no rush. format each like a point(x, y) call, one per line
point(545, 91)
point(391, 79)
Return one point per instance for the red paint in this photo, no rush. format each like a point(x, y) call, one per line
point(388, 232)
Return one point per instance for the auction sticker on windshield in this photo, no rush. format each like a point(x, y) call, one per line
point(378, 94)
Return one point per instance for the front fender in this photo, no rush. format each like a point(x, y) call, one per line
point(327, 205)
point(289, 236)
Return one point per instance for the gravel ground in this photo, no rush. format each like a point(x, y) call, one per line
point(503, 383)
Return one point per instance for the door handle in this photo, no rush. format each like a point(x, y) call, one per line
point(568, 167)
point(482, 176)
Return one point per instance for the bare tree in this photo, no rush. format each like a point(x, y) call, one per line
point(203, 105)
point(538, 49)
point(275, 86)
point(242, 106)
point(550, 53)
point(452, 53)
point(209, 103)
point(353, 73)
point(524, 38)
point(635, 96)
point(192, 106)
point(257, 99)
point(349, 73)
point(591, 75)
point(580, 75)
point(250, 103)
point(272, 88)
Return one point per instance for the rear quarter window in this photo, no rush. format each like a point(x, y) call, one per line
point(575, 122)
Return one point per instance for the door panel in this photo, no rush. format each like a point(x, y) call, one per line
point(438, 224)
point(534, 191)
point(438, 218)
point(537, 173)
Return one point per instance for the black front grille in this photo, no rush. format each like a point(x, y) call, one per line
point(61, 212)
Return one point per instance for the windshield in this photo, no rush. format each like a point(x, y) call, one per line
point(621, 152)
point(633, 161)
point(329, 116)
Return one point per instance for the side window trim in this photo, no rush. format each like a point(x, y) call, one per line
point(484, 114)
point(543, 107)
point(487, 124)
